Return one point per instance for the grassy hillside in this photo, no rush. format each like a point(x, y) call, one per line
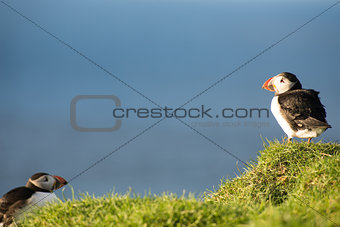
point(288, 185)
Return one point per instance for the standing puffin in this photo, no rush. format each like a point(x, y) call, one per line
point(38, 190)
point(298, 111)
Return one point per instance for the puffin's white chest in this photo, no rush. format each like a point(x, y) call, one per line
point(41, 198)
point(276, 110)
point(38, 199)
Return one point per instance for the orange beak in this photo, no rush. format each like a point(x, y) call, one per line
point(268, 85)
point(60, 182)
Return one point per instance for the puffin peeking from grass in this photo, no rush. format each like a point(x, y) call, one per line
point(38, 191)
point(298, 111)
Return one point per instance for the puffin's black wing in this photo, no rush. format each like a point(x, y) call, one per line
point(303, 109)
point(12, 201)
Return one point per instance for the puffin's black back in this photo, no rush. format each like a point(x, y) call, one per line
point(304, 107)
point(12, 200)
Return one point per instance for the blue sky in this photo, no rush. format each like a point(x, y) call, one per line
point(169, 51)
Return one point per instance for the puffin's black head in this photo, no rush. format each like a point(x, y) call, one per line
point(45, 182)
point(292, 78)
point(37, 175)
point(282, 82)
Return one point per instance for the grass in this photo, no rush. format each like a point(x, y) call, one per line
point(293, 184)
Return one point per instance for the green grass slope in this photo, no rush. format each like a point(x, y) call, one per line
point(293, 184)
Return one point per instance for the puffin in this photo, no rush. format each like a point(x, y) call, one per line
point(298, 111)
point(37, 192)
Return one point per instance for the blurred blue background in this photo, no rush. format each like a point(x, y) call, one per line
point(169, 51)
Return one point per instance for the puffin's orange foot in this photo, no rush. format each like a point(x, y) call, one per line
point(309, 139)
point(289, 140)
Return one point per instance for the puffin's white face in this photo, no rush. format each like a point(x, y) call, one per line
point(281, 84)
point(46, 182)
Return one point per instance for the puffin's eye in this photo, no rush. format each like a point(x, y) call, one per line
point(282, 81)
point(45, 179)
